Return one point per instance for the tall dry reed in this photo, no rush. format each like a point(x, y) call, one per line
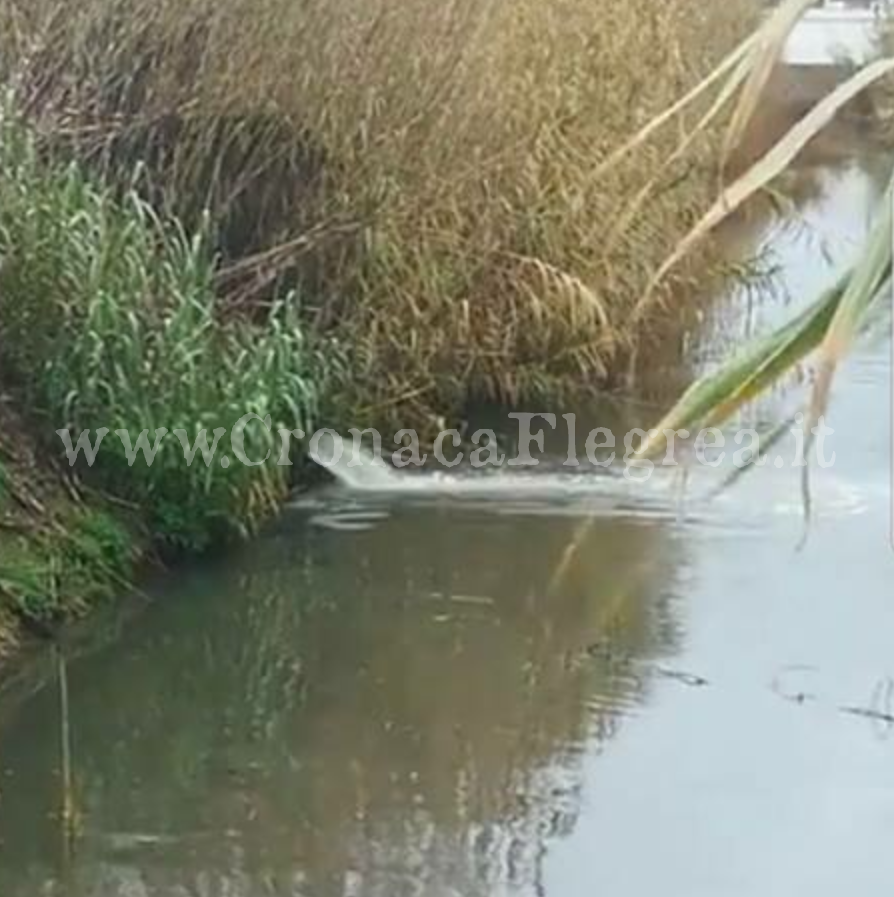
point(427, 172)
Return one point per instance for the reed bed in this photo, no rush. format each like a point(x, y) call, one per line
point(427, 176)
point(107, 315)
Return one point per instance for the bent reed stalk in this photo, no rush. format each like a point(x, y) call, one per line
point(830, 325)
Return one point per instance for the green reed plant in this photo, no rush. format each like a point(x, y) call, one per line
point(108, 319)
point(430, 172)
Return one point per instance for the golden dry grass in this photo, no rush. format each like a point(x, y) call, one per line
point(428, 172)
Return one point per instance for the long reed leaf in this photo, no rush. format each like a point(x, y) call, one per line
point(870, 273)
point(765, 56)
point(718, 395)
point(769, 167)
point(731, 63)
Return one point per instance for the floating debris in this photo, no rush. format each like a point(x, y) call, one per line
point(690, 679)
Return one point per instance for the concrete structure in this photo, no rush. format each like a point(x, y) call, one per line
point(833, 32)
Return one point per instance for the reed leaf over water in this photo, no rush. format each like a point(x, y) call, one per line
point(827, 327)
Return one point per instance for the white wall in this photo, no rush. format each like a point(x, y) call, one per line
point(826, 35)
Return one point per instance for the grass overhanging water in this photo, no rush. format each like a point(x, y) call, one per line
point(832, 323)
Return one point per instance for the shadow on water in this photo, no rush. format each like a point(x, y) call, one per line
point(402, 708)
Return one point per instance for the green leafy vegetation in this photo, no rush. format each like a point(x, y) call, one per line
point(109, 321)
point(59, 555)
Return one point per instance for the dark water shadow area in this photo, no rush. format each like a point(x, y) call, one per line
point(406, 705)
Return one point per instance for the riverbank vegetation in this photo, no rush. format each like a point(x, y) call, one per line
point(59, 553)
point(427, 176)
point(109, 321)
point(371, 211)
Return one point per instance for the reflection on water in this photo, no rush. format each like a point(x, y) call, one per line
point(396, 711)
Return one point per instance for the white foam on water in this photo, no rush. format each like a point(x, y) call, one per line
point(373, 475)
point(562, 493)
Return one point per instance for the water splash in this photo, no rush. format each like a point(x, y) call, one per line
point(560, 492)
point(371, 474)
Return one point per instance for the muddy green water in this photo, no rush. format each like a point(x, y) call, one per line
point(432, 696)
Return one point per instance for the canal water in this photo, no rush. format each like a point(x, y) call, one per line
point(508, 694)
